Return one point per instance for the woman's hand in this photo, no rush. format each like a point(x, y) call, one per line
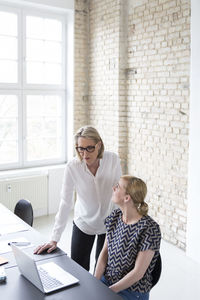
point(49, 247)
point(114, 288)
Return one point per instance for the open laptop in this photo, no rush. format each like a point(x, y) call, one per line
point(47, 277)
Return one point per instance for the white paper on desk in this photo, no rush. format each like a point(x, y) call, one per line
point(4, 247)
point(13, 227)
point(9, 223)
point(7, 218)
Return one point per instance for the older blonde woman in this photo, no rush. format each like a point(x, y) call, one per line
point(92, 174)
point(132, 244)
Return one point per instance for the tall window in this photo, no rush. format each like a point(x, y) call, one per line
point(32, 88)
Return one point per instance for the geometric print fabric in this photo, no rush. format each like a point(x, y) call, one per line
point(124, 243)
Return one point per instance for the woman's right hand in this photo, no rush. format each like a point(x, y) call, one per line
point(49, 247)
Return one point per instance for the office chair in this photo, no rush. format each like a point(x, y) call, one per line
point(157, 271)
point(23, 209)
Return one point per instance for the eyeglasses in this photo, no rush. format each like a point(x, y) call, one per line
point(89, 149)
point(116, 186)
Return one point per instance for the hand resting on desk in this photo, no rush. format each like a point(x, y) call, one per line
point(48, 247)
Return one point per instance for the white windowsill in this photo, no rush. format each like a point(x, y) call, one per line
point(29, 171)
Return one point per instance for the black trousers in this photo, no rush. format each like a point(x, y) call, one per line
point(81, 246)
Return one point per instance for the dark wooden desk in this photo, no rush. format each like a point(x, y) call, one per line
point(89, 288)
point(17, 287)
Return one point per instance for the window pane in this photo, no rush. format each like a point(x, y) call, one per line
point(53, 52)
point(8, 71)
point(42, 73)
point(31, 52)
point(36, 149)
point(49, 105)
point(8, 150)
point(44, 127)
point(34, 27)
point(43, 51)
point(53, 73)
point(8, 106)
point(35, 73)
point(9, 128)
point(8, 23)
point(8, 47)
point(35, 50)
point(53, 30)
point(43, 28)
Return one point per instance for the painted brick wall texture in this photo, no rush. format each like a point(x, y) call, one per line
point(103, 70)
point(81, 32)
point(137, 57)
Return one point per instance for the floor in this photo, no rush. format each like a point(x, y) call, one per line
point(180, 277)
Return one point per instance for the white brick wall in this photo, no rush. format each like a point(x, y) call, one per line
point(81, 64)
point(132, 83)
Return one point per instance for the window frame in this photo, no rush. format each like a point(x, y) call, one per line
point(28, 12)
point(21, 88)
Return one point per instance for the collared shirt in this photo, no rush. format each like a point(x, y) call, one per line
point(93, 203)
point(124, 243)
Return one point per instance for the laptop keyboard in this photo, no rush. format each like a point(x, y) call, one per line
point(48, 281)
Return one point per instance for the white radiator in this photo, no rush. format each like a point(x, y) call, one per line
point(33, 188)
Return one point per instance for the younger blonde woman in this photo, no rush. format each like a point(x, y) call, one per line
point(132, 242)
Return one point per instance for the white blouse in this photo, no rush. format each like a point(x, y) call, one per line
point(93, 203)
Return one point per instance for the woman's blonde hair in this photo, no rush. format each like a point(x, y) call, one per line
point(89, 132)
point(137, 190)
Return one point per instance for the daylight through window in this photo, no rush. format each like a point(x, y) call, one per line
point(32, 88)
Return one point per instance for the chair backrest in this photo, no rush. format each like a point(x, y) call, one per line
point(23, 209)
point(157, 271)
